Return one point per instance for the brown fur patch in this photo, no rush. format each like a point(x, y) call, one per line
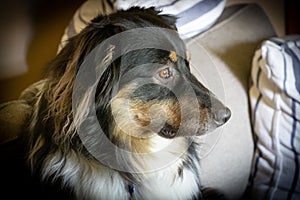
point(137, 121)
point(128, 133)
point(167, 110)
point(129, 142)
point(173, 56)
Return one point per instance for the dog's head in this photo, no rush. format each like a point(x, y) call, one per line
point(157, 94)
point(146, 87)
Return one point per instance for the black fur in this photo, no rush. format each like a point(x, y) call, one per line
point(54, 107)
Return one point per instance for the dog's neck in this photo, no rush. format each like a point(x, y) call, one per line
point(172, 182)
point(90, 180)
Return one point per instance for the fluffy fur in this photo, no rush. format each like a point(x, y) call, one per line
point(130, 119)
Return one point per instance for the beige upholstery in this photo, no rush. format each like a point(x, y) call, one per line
point(221, 58)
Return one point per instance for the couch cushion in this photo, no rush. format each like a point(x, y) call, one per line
point(275, 104)
point(193, 17)
point(14, 116)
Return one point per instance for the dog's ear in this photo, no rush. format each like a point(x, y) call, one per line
point(104, 93)
point(109, 78)
point(62, 72)
point(169, 19)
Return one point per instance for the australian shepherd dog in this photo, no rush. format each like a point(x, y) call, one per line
point(119, 111)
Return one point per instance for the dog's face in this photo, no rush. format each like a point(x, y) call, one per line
point(161, 96)
point(156, 94)
point(144, 98)
point(144, 92)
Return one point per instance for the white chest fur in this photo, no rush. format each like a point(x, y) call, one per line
point(89, 180)
point(167, 184)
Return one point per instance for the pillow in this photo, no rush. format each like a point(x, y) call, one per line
point(194, 17)
point(275, 103)
point(83, 15)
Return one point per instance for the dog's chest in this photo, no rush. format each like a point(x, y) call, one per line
point(168, 185)
point(100, 182)
point(159, 185)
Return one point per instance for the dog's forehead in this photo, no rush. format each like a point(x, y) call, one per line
point(161, 50)
point(149, 59)
point(152, 37)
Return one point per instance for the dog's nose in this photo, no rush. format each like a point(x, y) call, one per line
point(221, 116)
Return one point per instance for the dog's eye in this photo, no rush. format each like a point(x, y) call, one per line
point(165, 73)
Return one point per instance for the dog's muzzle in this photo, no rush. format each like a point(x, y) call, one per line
point(219, 116)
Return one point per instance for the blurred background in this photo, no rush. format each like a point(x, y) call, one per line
point(31, 31)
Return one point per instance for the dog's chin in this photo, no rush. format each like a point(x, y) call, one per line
point(170, 133)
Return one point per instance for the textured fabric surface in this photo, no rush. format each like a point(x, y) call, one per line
point(275, 104)
point(194, 17)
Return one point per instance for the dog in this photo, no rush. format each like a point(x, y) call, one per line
point(143, 102)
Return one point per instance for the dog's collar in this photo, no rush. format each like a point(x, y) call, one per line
point(131, 189)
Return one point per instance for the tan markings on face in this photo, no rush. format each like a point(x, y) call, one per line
point(127, 133)
point(173, 56)
point(137, 121)
point(129, 142)
point(204, 120)
point(155, 114)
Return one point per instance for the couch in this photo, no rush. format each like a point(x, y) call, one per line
point(222, 58)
